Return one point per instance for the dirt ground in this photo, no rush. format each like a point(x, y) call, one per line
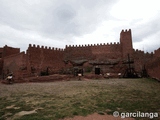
point(60, 96)
point(96, 116)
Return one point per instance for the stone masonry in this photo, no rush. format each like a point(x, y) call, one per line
point(109, 57)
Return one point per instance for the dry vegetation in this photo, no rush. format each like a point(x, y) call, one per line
point(58, 100)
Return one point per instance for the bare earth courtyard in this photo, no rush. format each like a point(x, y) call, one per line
point(79, 100)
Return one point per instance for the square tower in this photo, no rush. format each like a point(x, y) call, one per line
point(126, 43)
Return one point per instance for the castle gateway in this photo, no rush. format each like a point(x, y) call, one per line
point(98, 58)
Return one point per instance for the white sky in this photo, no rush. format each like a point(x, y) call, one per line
point(56, 23)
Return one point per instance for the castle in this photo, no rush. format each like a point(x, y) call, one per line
point(109, 58)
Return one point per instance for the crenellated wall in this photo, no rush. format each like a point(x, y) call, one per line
point(154, 65)
point(151, 61)
point(41, 58)
point(141, 59)
point(126, 43)
point(108, 56)
point(96, 51)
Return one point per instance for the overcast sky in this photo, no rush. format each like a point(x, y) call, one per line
point(56, 23)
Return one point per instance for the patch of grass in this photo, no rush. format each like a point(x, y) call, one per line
point(59, 100)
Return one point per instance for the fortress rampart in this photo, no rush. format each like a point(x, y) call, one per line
point(41, 58)
point(108, 56)
point(93, 52)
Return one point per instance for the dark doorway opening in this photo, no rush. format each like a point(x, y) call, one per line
point(97, 71)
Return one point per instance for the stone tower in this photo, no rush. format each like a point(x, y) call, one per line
point(126, 43)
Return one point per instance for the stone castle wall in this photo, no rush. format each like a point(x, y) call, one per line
point(1, 67)
point(154, 65)
point(43, 58)
point(15, 63)
point(7, 51)
point(126, 43)
point(141, 59)
point(39, 58)
point(4, 52)
point(93, 52)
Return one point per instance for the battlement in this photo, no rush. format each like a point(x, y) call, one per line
point(126, 31)
point(45, 47)
point(92, 45)
point(41, 58)
point(147, 53)
point(140, 51)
